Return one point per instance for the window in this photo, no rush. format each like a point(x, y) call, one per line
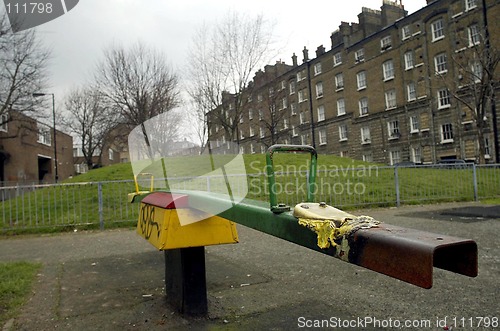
point(337, 59)
point(477, 71)
point(252, 131)
point(486, 147)
point(361, 80)
point(322, 136)
point(242, 135)
point(319, 90)
point(261, 132)
point(340, 107)
point(416, 154)
point(440, 63)
point(294, 131)
point(260, 115)
point(250, 114)
point(259, 97)
point(339, 81)
point(390, 99)
point(365, 135)
point(409, 60)
point(446, 133)
point(302, 95)
point(317, 68)
point(411, 91)
point(303, 139)
point(363, 106)
point(343, 132)
point(470, 4)
point(368, 157)
point(271, 92)
point(284, 103)
point(385, 43)
point(241, 118)
point(252, 149)
point(393, 129)
point(359, 55)
point(111, 154)
point(242, 150)
point(4, 118)
point(444, 100)
point(414, 124)
point(321, 113)
point(395, 157)
point(293, 108)
point(282, 85)
point(406, 32)
point(301, 75)
point(285, 124)
point(437, 30)
point(262, 149)
point(388, 68)
point(474, 35)
point(302, 117)
point(292, 87)
point(44, 136)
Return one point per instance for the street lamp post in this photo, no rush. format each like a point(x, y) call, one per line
point(56, 177)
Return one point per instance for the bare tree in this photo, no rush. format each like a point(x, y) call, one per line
point(23, 62)
point(223, 59)
point(90, 119)
point(477, 62)
point(138, 82)
point(275, 118)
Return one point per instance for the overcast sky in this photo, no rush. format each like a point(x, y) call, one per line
point(77, 39)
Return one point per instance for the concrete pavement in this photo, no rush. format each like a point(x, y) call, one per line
point(114, 280)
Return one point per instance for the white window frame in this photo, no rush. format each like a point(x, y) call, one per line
point(388, 70)
point(444, 98)
point(321, 113)
point(390, 99)
point(292, 87)
point(405, 32)
point(251, 131)
point(341, 107)
point(302, 117)
point(261, 132)
point(474, 35)
point(409, 60)
point(416, 154)
point(339, 81)
point(361, 80)
point(250, 114)
point(411, 91)
point(342, 132)
point(294, 131)
point(319, 90)
point(4, 122)
point(302, 96)
point(470, 4)
point(414, 124)
point(303, 139)
point(293, 108)
point(477, 71)
point(337, 59)
point(395, 156)
point(366, 137)
point(322, 137)
point(111, 154)
point(437, 28)
point(359, 55)
point(285, 123)
point(363, 106)
point(385, 43)
point(44, 134)
point(440, 63)
point(393, 130)
point(317, 69)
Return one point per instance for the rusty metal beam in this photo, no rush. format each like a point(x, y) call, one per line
point(405, 254)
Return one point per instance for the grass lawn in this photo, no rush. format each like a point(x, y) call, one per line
point(16, 281)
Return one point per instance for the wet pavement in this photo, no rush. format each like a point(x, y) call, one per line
point(114, 280)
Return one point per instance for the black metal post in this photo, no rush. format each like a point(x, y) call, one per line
point(185, 280)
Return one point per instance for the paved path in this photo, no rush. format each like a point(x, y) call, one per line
point(114, 280)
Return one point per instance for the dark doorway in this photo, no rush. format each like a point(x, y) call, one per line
point(44, 166)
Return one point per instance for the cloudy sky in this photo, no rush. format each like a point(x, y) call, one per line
point(77, 39)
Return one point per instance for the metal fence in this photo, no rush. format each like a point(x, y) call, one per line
point(104, 204)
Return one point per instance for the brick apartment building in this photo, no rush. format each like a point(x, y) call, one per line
point(27, 151)
point(384, 92)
